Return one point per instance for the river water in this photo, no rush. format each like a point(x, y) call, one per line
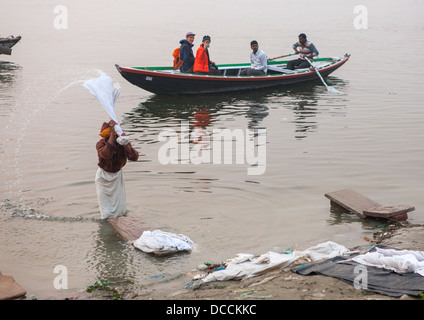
point(369, 138)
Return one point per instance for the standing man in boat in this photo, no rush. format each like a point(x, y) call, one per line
point(258, 61)
point(202, 63)
point(305, 49)
point(186, 53)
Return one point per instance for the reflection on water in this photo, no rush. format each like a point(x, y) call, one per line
point(298, 107)
point(9, 73)
point(109, 257)
point(306, 102)
point(256, 114)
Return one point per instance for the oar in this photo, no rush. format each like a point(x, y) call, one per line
point(286, 55)
point(329, 88)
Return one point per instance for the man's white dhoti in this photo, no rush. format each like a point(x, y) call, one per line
point(111, 193)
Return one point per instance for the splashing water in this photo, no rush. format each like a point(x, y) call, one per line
point(17, 130)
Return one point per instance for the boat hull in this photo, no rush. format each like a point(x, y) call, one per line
point(6, 44)
point(159, 82)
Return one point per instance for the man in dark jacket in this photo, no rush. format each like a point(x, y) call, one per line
point(186, 53)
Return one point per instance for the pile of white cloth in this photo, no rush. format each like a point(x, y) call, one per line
point(399, 261)
point(244, 266)
point(161, 242)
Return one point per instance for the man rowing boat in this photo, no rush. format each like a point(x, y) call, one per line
point(305, 49)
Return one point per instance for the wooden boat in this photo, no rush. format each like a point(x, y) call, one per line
point(6, 44)
point(166, 80)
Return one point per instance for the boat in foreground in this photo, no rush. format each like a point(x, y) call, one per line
point(167, 80)
point(6, 44)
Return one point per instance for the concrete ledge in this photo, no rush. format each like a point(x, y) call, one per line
point(364, 207)
point(9, 289)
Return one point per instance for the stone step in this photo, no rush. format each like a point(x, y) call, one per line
point(129, 228)
point(9, 289)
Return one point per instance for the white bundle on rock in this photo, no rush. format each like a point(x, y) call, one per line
point(161, 242)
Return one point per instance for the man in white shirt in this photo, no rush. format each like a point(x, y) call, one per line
point(258, 61)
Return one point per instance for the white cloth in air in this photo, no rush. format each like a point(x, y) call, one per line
point(107, 94)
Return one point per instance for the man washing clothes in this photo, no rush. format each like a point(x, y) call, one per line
point(113, 152)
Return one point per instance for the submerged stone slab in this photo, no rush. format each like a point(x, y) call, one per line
point(362, 206)
point(129, 228)
point(352, 201)
point(9, 289)
point(397, 211)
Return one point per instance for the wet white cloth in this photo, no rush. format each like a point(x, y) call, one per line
point(244, 266)
point(161, 242)
point(123, 140)
point(325, 250)
point(110, 189)
point(399, 261)
point(107, 93)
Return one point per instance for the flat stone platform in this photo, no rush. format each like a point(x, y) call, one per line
point(362, 206)
point(129, 228)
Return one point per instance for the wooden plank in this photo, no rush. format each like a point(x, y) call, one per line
point(9, 289)
point(129, 228)
point(388, 211)
point(352, 201)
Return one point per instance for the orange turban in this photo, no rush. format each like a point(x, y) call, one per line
point(105, 130)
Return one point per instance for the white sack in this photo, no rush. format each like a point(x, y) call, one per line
point(107, 94)
point(161, 242)
point(110, 189)
point(244, 266)
point(399, 261)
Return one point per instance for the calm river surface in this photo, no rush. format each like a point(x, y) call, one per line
point(370, 138)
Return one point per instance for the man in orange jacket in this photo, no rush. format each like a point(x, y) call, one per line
point(202, 63)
